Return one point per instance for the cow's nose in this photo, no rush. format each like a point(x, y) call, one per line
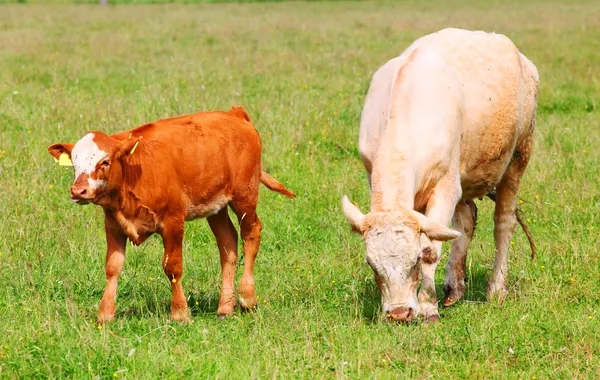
point(400, 314)
point(79, 192)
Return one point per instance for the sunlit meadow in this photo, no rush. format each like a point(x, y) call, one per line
point(302, 71)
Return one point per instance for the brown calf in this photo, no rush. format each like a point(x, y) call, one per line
point(153, 178)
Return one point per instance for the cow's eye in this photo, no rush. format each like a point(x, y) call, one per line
point(105, 163)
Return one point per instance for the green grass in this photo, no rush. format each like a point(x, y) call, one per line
point(301, 70)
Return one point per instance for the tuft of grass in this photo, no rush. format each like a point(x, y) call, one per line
point(301, 70)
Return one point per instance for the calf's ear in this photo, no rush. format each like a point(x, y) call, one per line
point(353, 215)
point(127, 146)
point(56, 150)
point(434, 230)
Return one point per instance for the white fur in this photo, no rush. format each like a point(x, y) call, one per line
point(438, 125)
point(85, 155)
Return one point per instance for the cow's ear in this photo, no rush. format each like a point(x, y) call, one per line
point(353, 215)
point(57, 150)
point(434, 230)
point(127, 147)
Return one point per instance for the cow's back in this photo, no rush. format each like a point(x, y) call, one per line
point(482, 76)
point(498, 87)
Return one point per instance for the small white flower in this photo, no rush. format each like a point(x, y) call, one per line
point(511, 351)
point(15, 92)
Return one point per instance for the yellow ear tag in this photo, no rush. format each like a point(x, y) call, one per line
point(135, 146)
point(64, 160)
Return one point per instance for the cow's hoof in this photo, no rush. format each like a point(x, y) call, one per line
point(449, 301)
point(496, 294)
point(453, 294)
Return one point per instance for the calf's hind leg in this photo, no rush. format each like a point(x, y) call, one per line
point(464, 221)
point(250, 227)
point(226, 235)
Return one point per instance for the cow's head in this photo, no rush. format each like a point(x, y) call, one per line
point(96, 159)
point(395, 243)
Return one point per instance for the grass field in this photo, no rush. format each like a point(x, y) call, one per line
point(301, 70)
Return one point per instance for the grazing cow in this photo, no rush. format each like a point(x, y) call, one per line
point(153, 178)
point(447, 121)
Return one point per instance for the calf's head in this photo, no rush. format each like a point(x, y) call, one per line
point(394, 251)
point(96, 159)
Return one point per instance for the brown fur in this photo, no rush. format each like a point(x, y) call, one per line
point(183, 168)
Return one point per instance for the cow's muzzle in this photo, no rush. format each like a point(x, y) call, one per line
point(401, 314)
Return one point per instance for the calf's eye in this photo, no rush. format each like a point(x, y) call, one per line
point(105, 163)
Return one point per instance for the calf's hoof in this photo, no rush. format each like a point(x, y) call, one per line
point(400, 314)
point(248, 304)
point(105, 318)
point(180, 315)
point(224, 312)
point(106, 312)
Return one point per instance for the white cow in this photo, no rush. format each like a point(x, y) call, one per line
point(445, 122)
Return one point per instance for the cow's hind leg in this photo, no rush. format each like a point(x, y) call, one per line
point(226, 235)
point(172, 262)
point(464, 221)
point(505, 217)
point(115, 257)
point(250, 227)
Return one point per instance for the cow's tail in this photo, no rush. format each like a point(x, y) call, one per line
point(273, 184)
point(492, 196)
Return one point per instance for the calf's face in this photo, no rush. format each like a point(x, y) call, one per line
point(393, 251)
point(95, 159)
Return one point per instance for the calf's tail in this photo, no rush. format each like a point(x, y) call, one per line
point(273, 184)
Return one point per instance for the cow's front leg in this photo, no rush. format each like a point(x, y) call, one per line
point(115, 257)
point(440, 208)
point(464, 220)
point(172, 263)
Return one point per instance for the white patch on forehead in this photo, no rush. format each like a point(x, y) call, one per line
point(85, 155)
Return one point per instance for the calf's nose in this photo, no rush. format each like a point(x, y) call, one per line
point(79, 192)
point(400, 314)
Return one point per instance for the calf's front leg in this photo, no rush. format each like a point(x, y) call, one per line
point(172, 263)
point(115, 257)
